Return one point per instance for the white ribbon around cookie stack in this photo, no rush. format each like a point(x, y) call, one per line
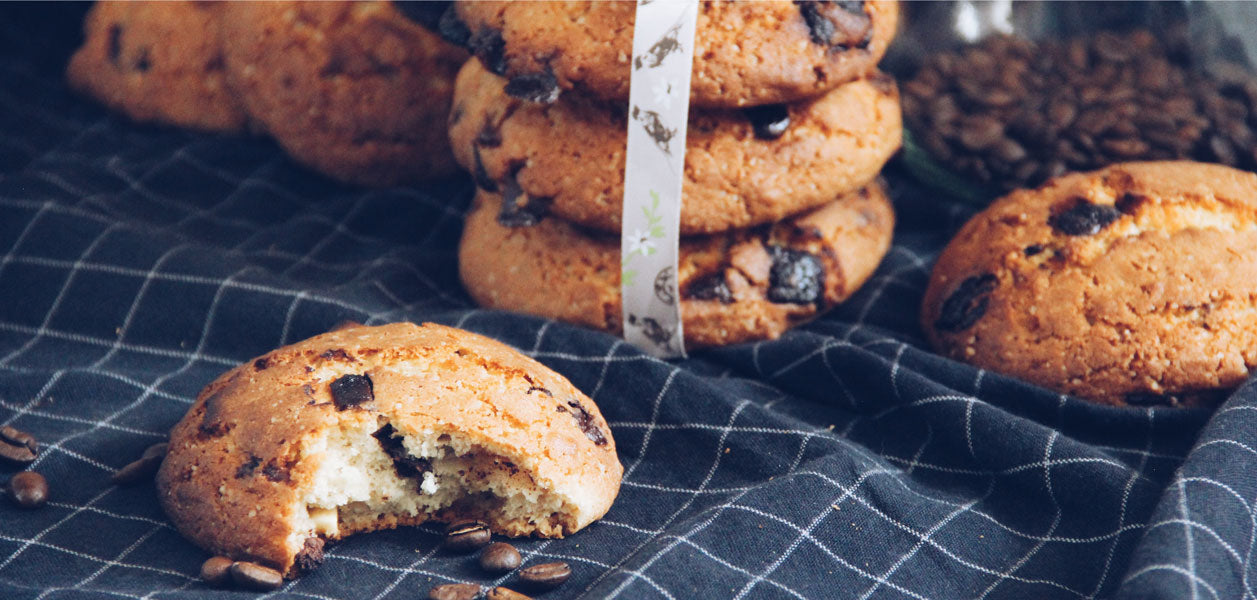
point(659, 99)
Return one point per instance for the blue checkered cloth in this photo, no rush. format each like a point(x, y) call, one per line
point(844, 460)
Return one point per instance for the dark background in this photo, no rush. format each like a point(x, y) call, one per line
point(844, 460)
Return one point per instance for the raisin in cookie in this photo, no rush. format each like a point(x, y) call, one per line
point(747, 53)
point(355, 90)
point(738, 286)
point(367, 428)
point(1133, 285)
point(157, 62)
point(743, 167)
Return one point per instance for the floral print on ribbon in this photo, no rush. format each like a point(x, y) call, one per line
point(659, 92)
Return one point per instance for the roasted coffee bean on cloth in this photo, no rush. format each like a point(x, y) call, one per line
point(843, 460)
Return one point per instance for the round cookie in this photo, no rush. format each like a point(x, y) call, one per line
point(742, 167)
point(367, 428)
point(159, 62)
point(735, 287)
point(748, 53)
point(1129, 286)
point(353, 89)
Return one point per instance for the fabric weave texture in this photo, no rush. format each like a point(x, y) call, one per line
point(844, 460)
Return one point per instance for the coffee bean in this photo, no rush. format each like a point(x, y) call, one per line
point(255, 577)
point(216, 571)
point(501, 593)
point(17, 445)
point(770, 121)
point(466, 536)
point(352, 390)
point(28, 489)
point(1084, 218)
point(454, 591)
point(500, 557)
point(981, 132)
point(143, 468)
point(962, 309)
point(545, 576)
point(1125, 148)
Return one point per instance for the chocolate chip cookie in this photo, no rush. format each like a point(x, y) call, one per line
point(367, 428)
point(743, 167)
point(738, 286)
point(355, 90)
point(1131, 286)
point(746, 53)
point(157, 62)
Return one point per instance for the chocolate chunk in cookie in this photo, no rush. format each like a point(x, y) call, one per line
point(1084, 218)
point(541, 88)
point(770, 121)
point(350, 391)
point(967, 304)
point(797, 277)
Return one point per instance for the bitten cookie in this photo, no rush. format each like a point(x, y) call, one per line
point(742, 167)
point(353, 89)
point(367, 428)
point(158, 62)
point(747, 53)
point(1134, 285)
point(738, 286)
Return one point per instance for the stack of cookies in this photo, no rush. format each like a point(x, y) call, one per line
point(790, 122)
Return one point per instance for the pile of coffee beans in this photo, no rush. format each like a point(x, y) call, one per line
point(1013, 113)
point(495, 558)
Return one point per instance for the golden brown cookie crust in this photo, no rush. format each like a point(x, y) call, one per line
point(352, 89)
point(157, 62)
point(1132, 285)
point(747, 53)
point(246, 451)
point(570, 154)
point(556, 270)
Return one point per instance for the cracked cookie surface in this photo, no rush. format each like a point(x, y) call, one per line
point(738, 286)
point(367, 428)
point(746, 53)
point(355, 90)
point(1134, 285)
point(743, 167)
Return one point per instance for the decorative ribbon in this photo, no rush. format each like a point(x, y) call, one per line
point(654, 168)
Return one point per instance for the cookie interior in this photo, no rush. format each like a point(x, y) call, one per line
point(372, 476)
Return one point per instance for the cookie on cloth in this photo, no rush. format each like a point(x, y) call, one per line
point(746, 53)
point(743, 167)
point(1132, 286)
point(367, 428)
point(355, 90)
point(737, 286)
point(157, 62)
